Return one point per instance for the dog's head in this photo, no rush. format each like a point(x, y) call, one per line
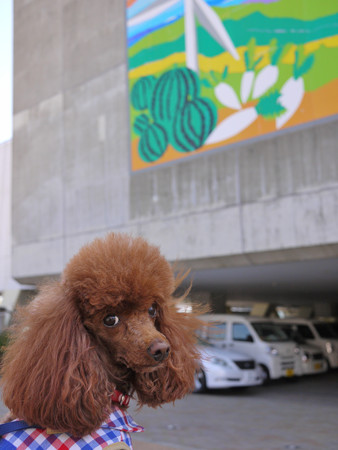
point(122, 288)
point(110, 323)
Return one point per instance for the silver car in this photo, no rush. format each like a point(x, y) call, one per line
point(225, 369)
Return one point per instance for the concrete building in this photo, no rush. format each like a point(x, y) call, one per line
point(254, 221)
point(11, 292)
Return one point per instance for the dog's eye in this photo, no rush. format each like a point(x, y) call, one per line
point(152, 310)
point(111, 321)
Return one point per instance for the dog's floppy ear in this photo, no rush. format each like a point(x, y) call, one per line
point(176, 379)
point(52, 376)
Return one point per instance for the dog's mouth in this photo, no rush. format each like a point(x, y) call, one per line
point(149, 369)
point(142, 368)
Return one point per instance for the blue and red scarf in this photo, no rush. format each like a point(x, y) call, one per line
point(117, 429)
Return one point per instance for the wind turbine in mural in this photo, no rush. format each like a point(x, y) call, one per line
point(193, 9)
point(211, 23)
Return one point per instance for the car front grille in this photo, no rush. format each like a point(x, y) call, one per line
point(246, 365)
point(317, 356)
point(287, 364)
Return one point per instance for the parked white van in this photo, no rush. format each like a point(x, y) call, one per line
point(318, 333)
point(260, 338)
point(312, 358)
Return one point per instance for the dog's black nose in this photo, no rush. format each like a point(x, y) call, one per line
point(159, 350)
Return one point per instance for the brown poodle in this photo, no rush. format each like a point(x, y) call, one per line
point(110, 324)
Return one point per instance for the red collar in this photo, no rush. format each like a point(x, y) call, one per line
point(122, 399)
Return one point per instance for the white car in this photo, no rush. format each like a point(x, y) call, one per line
point(319, 333)
point(225, 369)
point(311, 356)
point(312, 359)
point(258, 337)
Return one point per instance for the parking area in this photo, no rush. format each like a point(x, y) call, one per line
point(287, 414)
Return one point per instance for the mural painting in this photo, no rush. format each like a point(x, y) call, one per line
point(207, 73)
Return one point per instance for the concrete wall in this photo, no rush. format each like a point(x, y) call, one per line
point(271, 200)
point(6, 280)
point(5, 222)
point(9, 288)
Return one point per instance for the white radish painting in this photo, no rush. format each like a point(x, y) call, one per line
point(293, 90)
point(226, 95)
point(246, 85)
point(232, 125)
point(268, 107)
point(292, 94)
point(249, 75)
point(268, 76)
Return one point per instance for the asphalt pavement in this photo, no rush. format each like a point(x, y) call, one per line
point(287, 414)
point(291, 414)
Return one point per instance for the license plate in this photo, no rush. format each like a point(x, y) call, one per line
point(318, 366)
point(289, 373)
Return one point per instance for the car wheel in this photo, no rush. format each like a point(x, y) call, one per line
point(264, 373)
point(200, 381)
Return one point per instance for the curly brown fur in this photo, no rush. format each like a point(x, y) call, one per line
point(63, 362)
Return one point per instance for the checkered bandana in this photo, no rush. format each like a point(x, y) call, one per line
point(116, 429)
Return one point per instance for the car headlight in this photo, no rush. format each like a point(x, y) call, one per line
point(329, 347)
point(305, 356)
point(219, 362)
point(272, 350)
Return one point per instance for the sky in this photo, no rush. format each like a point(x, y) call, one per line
point(147, 16)
point(6, 69)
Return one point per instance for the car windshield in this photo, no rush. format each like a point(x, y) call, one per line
point(304, 331)
point(292, 333)
point(270, 332)
point(325, 330)
point(334, 326)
